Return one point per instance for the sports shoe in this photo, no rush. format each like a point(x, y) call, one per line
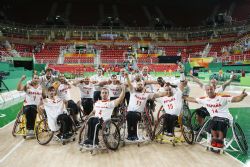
point(170, 134)
point(87, 142)
point(134, 138)
point(59, 136)
point(214, 143)
point(30, 133)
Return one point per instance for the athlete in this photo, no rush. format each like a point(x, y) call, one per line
point(202, 112)
point(87, 93)
point(63, 93)
point(102, 110)
point(57, 118)
point(217, 106)
point(33, 98)
point(99, 77)
point(138, 100)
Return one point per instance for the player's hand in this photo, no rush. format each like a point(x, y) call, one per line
point(244, 94)
point(23, 78)
point(109, 81)
point(234, 77)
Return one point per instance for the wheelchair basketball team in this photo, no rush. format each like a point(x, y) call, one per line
point(101, 97)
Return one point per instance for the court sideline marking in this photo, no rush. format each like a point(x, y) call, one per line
point(7, 124)
point(11, 151)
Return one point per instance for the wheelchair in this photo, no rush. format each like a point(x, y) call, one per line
point(106, 133)
point(235, 140)
point(19, 128)
point(144, 130)
point(44, 134)
point(183, 130)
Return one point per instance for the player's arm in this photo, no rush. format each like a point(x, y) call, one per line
point(196, 80)
point(239, 98)
point(20, 86)
point(157, 95)
point(121, 97)
point(102, 83)
point(228, 82)
point(76, 82)
point(148, 82)
point(130, 86)
point(190, 99)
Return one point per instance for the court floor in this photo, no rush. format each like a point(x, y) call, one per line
point(22, 153)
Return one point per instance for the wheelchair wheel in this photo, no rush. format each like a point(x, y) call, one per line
point(147, 122)
point(187, 129)
point(111, 135)
point(194, 122)
point(159, 126)
point(240, 138)
point(19, 127)
point(83, 133)
point(43, 133)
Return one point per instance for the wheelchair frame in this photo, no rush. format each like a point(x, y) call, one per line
point(186, 130)
point(19, 128)
point(104, 144)
point(43, 127)
point(237, 136)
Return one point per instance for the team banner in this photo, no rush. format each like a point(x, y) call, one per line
point(78, 55)
point(200, 62)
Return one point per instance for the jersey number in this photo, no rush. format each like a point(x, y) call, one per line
point(138, 103)
point(170, 106)
point(214, 110)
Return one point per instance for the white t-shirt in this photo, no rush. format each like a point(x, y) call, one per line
point(33, 95)
point(98, 79)
point(217, 106)
point(63, 92)
point(172, 105)
point(104, 109)
point(114, 90)
point(53, 109)
point(87, 91)
point(138, 101)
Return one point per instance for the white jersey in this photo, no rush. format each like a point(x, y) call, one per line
point(46, 83)
point(63, 92)
point(172, 105)
point(53, 109)
point(87, 91)
point(33, 95)
point(104, 109)
point(149, 88)
point(123, 80)
point(114, 90)
point(217, 106)
point(98, 79)
point(138, 101)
